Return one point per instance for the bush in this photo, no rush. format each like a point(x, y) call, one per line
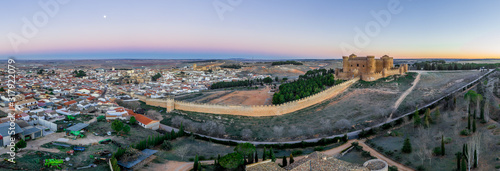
point(366, 154)
point(389, 153)
point(491, 126)
point(166, 145)
point(319, 148)
point(447, 140)
point(465, 132)
point(101, 118)
point(297, 152)
point(436, 151)
point(420, 168)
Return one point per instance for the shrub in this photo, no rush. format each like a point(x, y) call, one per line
point(420, 168)
point(398, 158)
point(366, 154)
point(491, 126)
point(379, 148)
point(101, 118)
point(231, 160)
point(393, 168)
point(297, 152)
point(465, 132)
point(166, 145)
point(389, 153)
point(319, 148)
point(406, 146)
point(447, 140)
point(436, 151)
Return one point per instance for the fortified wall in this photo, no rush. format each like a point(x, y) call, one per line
point(255, 110)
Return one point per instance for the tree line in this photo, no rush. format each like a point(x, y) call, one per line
point(286, 63)
point(442, 65)
point(314, 81)
point(233, 66)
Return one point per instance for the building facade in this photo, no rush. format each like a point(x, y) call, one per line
point(368, 68)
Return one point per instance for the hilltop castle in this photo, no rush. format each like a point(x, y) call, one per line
point(368, 68)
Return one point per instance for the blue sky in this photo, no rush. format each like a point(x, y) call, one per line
point(261, 29)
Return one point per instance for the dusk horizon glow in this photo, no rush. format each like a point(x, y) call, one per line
point(251, 29)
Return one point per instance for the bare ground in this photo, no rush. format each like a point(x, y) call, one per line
point(251, 97)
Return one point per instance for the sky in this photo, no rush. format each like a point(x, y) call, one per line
point(260, 29)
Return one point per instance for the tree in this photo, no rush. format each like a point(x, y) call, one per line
point(284, 161)
point(181, 131)
point(291, 159)
point(406, 146)
point(264, 154)
point(132, 120)
point(273, 157)
point(231, 160)
point(20, 144)
point(475, 157)
point(416, 118)
point(245, 149)
point(277, 79)
point(1, 89)
point(427, 118)
point(268, 80)
point(117, 125)
point(474, 125)
point(155, 77)
point(459, 160)
point(442, 145)
point(256, 157)
point(166, 145)
point(469, 123)
point(195, 164)
point(463, 167)
point(101, 118)
point(126, 129)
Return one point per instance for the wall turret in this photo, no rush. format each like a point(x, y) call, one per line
point(370, 63)
point(345, 63)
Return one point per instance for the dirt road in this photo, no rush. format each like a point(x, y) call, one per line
point(403, 96)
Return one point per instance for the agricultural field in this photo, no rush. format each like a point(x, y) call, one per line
point(353, 109)
point(425, 141)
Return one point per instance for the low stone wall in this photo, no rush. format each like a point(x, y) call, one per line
point(256, 110)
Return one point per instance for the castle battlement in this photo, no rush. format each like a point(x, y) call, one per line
point(368, 68)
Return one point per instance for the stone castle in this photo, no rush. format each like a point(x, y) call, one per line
point(368, 68)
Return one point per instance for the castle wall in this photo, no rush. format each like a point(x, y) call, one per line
point(255, 110)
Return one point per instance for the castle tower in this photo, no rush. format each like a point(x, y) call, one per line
point(386, 62)
point(345, 62)
point(370, 64)
point(170, 104)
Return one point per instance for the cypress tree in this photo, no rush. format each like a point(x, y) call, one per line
point(284, 161)
point(264, 154)
point(406, 146)
point(416, 118)
point(474, 125)
point(195, 165)
point(291, 159)
point(464, 166)
point(442, 145)
point(172, 134)
point(273, 157)
point(256, 157)
point(199, 166)
point(459, 158)
point(250, 158)
point(475, 158)
point(181, 131)
point(468, 123)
